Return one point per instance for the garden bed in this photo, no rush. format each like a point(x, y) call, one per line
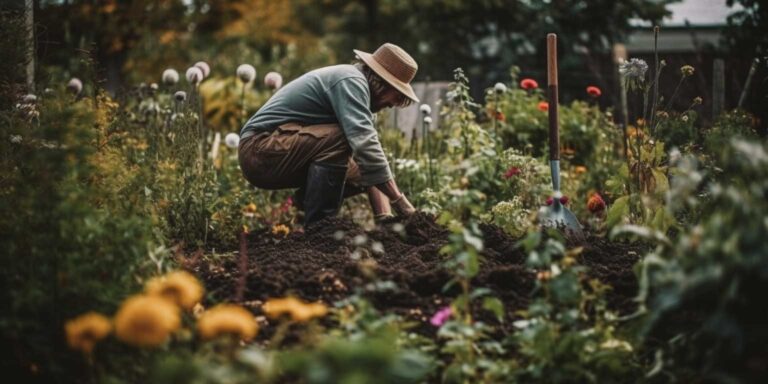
point(334, 259)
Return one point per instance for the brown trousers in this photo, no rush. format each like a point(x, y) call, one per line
point(280, 159)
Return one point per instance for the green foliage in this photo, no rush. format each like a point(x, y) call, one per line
point(567, 334)
point(702, 292)
point(66, 247)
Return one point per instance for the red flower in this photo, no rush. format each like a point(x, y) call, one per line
point(500, 116)
point(595, 203)
point(564, 200)
point(594, 91)
point(529, 84)
point(512, 171)
point(543, 106)
point(550, 200)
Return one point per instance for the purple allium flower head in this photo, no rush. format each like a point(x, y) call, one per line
point(204, 67)
point(194, 75)
point(273, 80)
point(170, 76)
point(246, 73)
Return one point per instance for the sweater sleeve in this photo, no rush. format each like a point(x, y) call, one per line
point(350, 98)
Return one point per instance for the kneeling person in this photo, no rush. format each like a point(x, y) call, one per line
point(317, 134)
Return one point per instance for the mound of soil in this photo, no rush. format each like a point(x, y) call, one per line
point(336, 258)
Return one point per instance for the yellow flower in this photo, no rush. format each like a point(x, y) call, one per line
point(84, 331)
point(580, 169)
point(227, 319)
point(297, 309)
point(180, 287)
point(281, 229)
point(146, 321)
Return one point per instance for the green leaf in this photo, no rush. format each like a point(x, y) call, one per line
point(494, 305)
point(618, 211)
point(662, 183)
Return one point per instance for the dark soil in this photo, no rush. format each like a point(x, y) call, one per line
point(326, 264)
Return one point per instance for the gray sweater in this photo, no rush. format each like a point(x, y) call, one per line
point(336, 94)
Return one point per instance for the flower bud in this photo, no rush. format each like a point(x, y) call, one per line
point(425, 109)
point(686, 70)
point(500, 88)
point(427, 120)
point(180, 96)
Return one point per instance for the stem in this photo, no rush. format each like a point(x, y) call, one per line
point(657, 71)
point(242, 106)
point(674, 94)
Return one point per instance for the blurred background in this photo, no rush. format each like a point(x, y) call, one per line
point(134, 41)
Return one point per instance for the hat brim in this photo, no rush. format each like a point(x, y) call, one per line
point(404, 88)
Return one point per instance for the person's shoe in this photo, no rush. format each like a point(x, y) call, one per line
point(298, 198)
point(323, 192)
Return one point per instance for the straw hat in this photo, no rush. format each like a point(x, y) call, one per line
point(394, 65)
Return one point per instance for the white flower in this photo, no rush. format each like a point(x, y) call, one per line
point(246, 73)
point(29, 98)
point(180, 96)
point(634, 69)
point(75, 85)
point(425, 109)
point(500, 88)
point(194, 75)
point(170, 76)
point(153, 87)
point(273, 80)
point(427, 120)
point(16, 139)
point(204, 67)
point(232, 140)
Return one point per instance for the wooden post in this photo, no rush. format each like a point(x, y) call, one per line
point(30, 24)
point(718, 87)
point(748, 83)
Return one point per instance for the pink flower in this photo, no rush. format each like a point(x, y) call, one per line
point(441, 316)
point(512, 171)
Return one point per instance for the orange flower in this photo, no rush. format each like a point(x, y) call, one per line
point(529, 84)
point(146, 321)
point(281, 230)
point(227, 319)
point(84, 331)
point(500, 116)
point(596, 204)
point(580, 170)
point(543, 106)
point(179, 287)
point(298, 310)
point(594, 91)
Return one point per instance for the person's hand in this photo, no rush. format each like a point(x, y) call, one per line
point(402, 206)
